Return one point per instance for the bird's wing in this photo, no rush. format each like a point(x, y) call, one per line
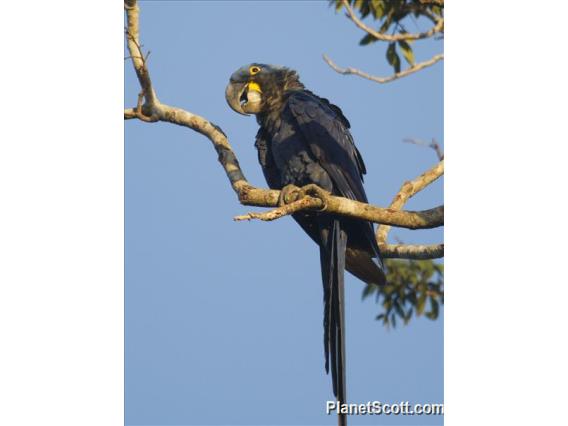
point(271, 173)
point(326, 131)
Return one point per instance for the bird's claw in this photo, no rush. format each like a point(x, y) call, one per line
point(311, 190)
point(288, 194)
point(314, 191)
point(291, 193)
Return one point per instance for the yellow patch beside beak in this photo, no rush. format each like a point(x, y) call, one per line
point(254, 87)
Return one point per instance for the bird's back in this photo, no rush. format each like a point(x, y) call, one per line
point(311, 143)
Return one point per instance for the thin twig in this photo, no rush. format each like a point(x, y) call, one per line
point(415, 68)
point(294, 207)
point(434, 145)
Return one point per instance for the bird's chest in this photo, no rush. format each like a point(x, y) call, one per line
point(293, 159)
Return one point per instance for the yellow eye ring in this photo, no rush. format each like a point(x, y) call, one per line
point(254, 70)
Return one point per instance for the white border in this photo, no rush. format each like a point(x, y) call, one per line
point(61, 220)
point(505, 139)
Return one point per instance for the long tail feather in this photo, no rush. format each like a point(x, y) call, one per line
point(332, 258)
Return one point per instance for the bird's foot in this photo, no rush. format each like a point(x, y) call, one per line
point(289, 194)
point(312, 190)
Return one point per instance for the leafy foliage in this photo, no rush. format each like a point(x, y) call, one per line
point(414, 287)
point(390, 16)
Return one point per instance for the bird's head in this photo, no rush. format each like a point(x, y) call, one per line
point(257, 88)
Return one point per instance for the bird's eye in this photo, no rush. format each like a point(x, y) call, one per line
point(254, 70)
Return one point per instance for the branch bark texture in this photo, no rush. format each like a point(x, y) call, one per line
point(408, 251)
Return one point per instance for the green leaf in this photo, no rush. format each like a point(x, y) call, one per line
point(377, 8)
point(391, 52)
point(370, 289)
point(386, 25)
point(396, 64)
point(421, 304)
point(433, 314)
point(412, 285)
point(360, 4)
point(408, 316)
point(439, 268)
point(393, 58)
point(368, 39)
point(398, 309)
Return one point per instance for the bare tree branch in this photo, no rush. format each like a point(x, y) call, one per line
point(416, 252)
point(437, 2)
point(424, 219)
point(407, 190)
point(129, 113)
point(295, 206)
point(150, 109)
point(404, 73)
point(434, 145)
point(136, 55)
point(439, 27)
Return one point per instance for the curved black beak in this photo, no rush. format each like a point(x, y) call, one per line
point(234, 94)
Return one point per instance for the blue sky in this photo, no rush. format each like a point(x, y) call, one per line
point(223, 319)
